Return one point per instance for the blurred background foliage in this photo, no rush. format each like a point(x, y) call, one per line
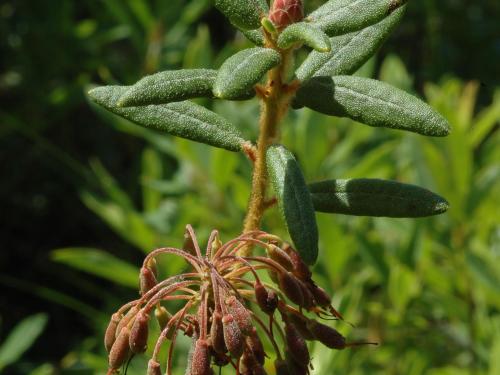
point(84, 195)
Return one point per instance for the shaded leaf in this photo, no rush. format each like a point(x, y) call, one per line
point(302, 32)
point(239, 73)
point(21, 338)
point(294, 201)
point(255, 36)
point(169, 86)
point(182, 119)
point(99, 263)
point(349, 52)
point(371, 102)
point(373, 197)
point(338, 17)
point(244, 14)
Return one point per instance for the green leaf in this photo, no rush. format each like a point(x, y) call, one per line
point(99, 263)
point(371, 102)
point(182, 119)
point(244, 14)
point(349, 52)
point(294, 201)
point(255, 36)
point(21, 338)
point(169, 86)
point(243, 70)
point(338, 17)
point(306, 33)
point(373, 197)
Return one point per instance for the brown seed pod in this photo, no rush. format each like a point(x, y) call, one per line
point(300, 269)
point(120, 350)
point(300, 322)
point(290, 286)
point(153, 368)
point(307, 296)
point(126, 319)
point(138, 339)
point(200, 363)
point(162, 316)
point(153, 266)
point(147, 280)
point(281, 367)
point(217, 334)
point(233, 337)
point(328, 336)
point(110, 335)
point(321, 298)
point(240, 313)
point(297, 345)
point(254, 345)
point(266, 299)
point(280, 256)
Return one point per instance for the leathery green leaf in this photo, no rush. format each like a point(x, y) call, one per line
point(255, 36)
point(243, 70)
point(338, 17)
point(306, 33)
point(170, 86)
point(244, 14)
point(373, 197)
point(350, 51)
point(371, 102)
point(182, 119)
point(294, 201)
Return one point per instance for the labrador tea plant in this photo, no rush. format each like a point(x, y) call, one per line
point(257, 287)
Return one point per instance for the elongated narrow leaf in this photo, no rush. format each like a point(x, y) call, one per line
point(182, 119)
point(243, 70)
point(349, 52)
point(338, 17)
point(99, 263)
point(21, 338)
point(255, 36)
point(306, 33)
point(294, 200)
point(244, 14)
point(170, 86)
point(371, 102)
point(372, 197)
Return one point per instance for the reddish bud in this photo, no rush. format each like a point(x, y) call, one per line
point(200, 363)
point(297, 345)
point(300, 269)
point(254, 345)
point(217, 334)
point(321, 298)
point(126, 319)
point(240, 314)
point(232, 336)
point(286, 12)
point(307, 296)
point(120, 350)
point(162, 316)
point(138, 339)
point(280, 256)
point(147, 280)
point(301, 325)
point(110, 335)
point(153, 368)
point(326, 335)
point(290, 286)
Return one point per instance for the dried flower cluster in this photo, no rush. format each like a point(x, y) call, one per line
point(217, 314)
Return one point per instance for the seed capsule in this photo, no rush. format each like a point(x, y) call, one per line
point(217, 334)
point(147, 280)
point(307, 296)
point(126, 319)
point(290, 286)
point(326, 335)
point(321, 298)
point(110, 335)
point(162, 316)
point(200, 363)
point(266, 299)
point(254, 345)
point(281, 367)
point(280, 256)
point(240, 314)
point(232, 336)
point(300, 269)
point(297, 345)
point(120, 350)
point(139, 333)
point(301, 325)
point(153, 368)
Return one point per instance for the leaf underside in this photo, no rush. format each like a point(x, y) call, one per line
point(244, 14)
point(306, 33)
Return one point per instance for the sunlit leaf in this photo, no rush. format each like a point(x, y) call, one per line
point(244, 14)
point(302, 32)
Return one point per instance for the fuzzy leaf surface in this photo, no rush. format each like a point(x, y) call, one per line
point(182, 119)
point(244, 14)
point(371, 102)
point(239, 73)
point(170, 86)
point(350, 51)
point(255, 36)
point(338, 17)
point(373, 197)
point(294, 201)
point(302, 32)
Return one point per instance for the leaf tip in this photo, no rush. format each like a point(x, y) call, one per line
point(441, 207)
